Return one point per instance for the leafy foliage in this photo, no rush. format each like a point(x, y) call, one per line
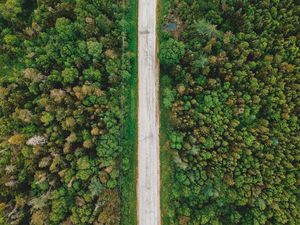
point(171, 51)
point(64, 83)
point(233, 105)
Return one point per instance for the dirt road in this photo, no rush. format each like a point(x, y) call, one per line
point(148, 190)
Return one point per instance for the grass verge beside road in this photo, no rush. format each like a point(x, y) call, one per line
point(129, 177)
point(166, 160)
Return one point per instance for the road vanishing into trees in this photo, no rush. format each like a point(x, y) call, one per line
point(148, 183)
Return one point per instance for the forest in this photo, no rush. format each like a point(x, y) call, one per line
point(230, 95)
point(66, 74)
point(229, 108)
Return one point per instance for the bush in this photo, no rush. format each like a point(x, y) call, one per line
point(171, 51)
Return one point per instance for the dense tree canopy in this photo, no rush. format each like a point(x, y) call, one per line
point(233, 101)
point(64, 84)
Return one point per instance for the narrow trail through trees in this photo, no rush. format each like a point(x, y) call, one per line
point(148, 184)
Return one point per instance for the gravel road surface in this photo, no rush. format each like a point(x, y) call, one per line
point(148, 117)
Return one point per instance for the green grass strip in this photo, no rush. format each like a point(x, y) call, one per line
point(166, 160)
point(128, 185)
